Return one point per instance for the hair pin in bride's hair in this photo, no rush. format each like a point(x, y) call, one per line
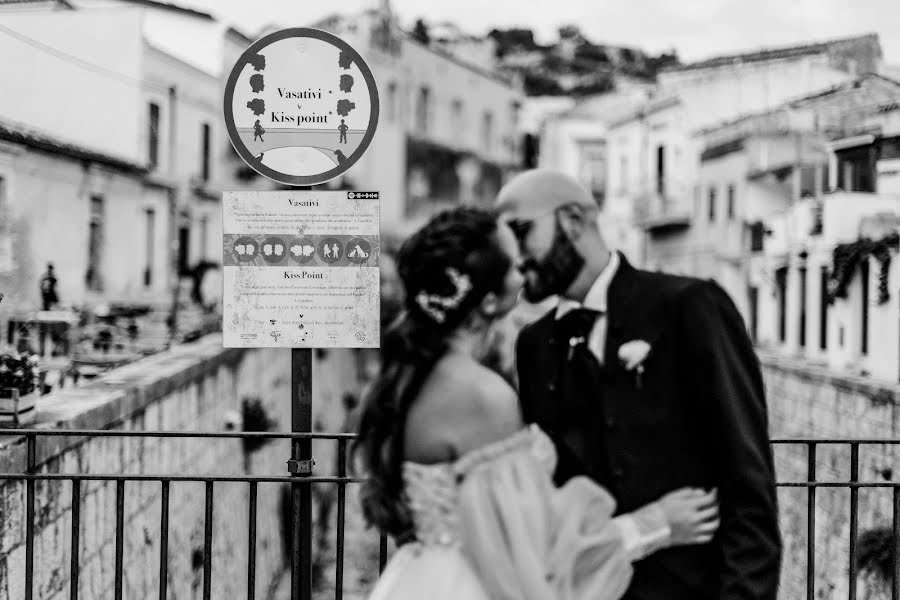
point(436, 305)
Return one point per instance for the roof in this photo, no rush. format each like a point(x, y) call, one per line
point(21, 134)
point(237, 33)
point(768, 54)
point(172, 7)
point(62, 3)
point(868, 84)
point(870, 92)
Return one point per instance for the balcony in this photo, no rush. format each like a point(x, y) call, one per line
point(663, 206)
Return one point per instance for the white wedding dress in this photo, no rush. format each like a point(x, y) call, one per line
point(492, 526)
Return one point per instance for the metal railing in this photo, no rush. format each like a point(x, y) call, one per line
point(301, 557)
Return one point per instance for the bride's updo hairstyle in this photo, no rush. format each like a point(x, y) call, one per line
point(446, 268)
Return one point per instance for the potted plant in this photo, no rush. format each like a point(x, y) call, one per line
point(19, 387)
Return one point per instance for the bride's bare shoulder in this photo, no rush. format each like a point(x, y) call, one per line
point(462, 406)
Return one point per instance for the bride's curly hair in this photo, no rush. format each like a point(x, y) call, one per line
point(463, 241)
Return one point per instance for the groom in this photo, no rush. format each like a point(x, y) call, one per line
point(647, 383)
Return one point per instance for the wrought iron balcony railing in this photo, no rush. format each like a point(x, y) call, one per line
point(301, 559)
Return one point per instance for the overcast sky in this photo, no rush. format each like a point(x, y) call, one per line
point(696, 28)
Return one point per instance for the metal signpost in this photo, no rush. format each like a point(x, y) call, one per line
point(301, 107)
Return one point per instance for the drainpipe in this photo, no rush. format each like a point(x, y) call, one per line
point(174, 193)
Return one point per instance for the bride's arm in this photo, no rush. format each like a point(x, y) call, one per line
point(685, 516)
point(644, 531)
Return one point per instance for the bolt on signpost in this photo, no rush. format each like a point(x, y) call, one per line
point(301, 107)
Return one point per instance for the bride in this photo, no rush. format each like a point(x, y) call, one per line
point(452, 468)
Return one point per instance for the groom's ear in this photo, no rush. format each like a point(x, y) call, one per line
point(572, 220)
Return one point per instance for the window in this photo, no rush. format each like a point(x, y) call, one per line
point(592, 168)
point(802, 307)
point(184, 239)
point(712, 204)
point(757, 236)
point(487, 130)
point(392, 101)
point(781, 287)
point(864, 324)
point(456, 119)
point(856, 170)
point(422, 111)
point(204, 237)
point(93, 278)
point(204, 159)
point(153, 136)
point(661, 170)
point(731, 208)
point(150, 235)
point(754, 312)
point(823, 309)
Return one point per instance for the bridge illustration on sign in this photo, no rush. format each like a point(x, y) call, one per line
point(327, 141)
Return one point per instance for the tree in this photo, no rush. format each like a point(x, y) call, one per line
point(420, 32)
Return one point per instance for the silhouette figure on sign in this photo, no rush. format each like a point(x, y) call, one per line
point(343, 129)
point(345, 60)
point(256, 83)
point(346, 83)
point(258, 61)
point(327, 251)
point(344, 107)
point(340, 157)
point(336, 251)
point(258, 132)
point(257, 105)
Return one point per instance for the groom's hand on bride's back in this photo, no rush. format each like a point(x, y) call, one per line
point(692, 515)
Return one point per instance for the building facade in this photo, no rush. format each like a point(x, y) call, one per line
point(448, 129)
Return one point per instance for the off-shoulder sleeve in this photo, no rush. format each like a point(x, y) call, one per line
point(532, 541)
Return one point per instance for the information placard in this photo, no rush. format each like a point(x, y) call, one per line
point(301, 269)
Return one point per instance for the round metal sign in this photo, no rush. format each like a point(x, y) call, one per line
point(301, 106)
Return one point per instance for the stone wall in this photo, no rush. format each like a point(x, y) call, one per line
point(810, 402)
point(195, 387)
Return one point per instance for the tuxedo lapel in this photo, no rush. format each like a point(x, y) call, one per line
point(618, 303)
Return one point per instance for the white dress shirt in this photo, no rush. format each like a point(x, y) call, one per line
point(595, 300)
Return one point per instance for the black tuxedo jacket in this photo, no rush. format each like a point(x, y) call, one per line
point(697, 418)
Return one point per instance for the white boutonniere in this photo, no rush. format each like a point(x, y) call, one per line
point(632, 356)
point(575, 341)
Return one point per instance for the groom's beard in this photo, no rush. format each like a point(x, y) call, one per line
point(554, 273)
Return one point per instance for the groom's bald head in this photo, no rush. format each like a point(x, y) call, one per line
point(541, 190)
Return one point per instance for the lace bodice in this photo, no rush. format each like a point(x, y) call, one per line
point(432, 490)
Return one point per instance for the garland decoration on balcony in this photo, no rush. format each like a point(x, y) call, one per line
point(847, 258)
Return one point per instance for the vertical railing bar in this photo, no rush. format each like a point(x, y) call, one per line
point(854, 517)
point(74, 565)
point(342, 491)
point(31, 449)
point(164, 541)
point(301, 457)
point(895, 552)
point(251, 544)
point(120, 535)
point(382, 553)
point(811, 523)
point(207, 542)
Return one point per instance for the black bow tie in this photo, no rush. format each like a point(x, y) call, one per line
point(577, 323)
